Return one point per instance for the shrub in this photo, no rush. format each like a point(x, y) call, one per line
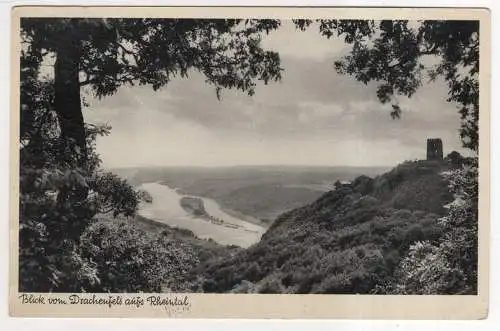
point(131, 260)
point(336, 283)
point(245, 287)
point(270, 285)
point(426, 270)
point(449, 266)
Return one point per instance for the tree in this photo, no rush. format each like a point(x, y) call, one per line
point(62, 188)
point(395, 55)
point(50, 227)
point(105, 54)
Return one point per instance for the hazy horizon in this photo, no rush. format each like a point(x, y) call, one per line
point(251, 166)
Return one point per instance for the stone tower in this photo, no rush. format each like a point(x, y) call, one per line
point(434, 149)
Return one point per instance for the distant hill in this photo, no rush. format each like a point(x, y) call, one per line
point(349, 240)
point(263, 192)
point(268, 201)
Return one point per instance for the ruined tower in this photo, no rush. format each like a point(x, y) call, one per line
point(434, 149)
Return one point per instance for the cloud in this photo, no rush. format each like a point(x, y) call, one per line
point(307, 45)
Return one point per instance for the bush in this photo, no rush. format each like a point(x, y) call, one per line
point(450, 265)
point(426, 270)
point(270, 285)
point(131, 260)
point(245, 287)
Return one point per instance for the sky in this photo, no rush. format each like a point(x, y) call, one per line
point(314, 116)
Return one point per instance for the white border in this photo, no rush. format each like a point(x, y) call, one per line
point(63, 324)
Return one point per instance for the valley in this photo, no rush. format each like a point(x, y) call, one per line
point(348, 239)
point(257, 194)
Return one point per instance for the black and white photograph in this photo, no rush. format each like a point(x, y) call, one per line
point(248, 155)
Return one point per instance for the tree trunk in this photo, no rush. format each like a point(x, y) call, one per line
point(67, 99)
point(68, 107)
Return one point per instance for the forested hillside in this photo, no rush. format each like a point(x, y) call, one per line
point(350, 240)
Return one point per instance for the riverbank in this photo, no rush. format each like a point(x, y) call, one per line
point(265, 223)
point(166, 208)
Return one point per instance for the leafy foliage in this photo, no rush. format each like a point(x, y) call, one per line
point(426, 270)
point(397, 55)
point(59, 196)
point(128, 259)
point(450, 266)
point(104, 54)
point(50, 226)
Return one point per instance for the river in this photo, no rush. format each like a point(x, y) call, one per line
point(166, 208)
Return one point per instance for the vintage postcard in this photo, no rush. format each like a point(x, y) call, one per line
point(250, 162)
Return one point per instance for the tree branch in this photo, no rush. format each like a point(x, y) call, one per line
point(129, 52)
point(428, 50)
point(87, 81)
